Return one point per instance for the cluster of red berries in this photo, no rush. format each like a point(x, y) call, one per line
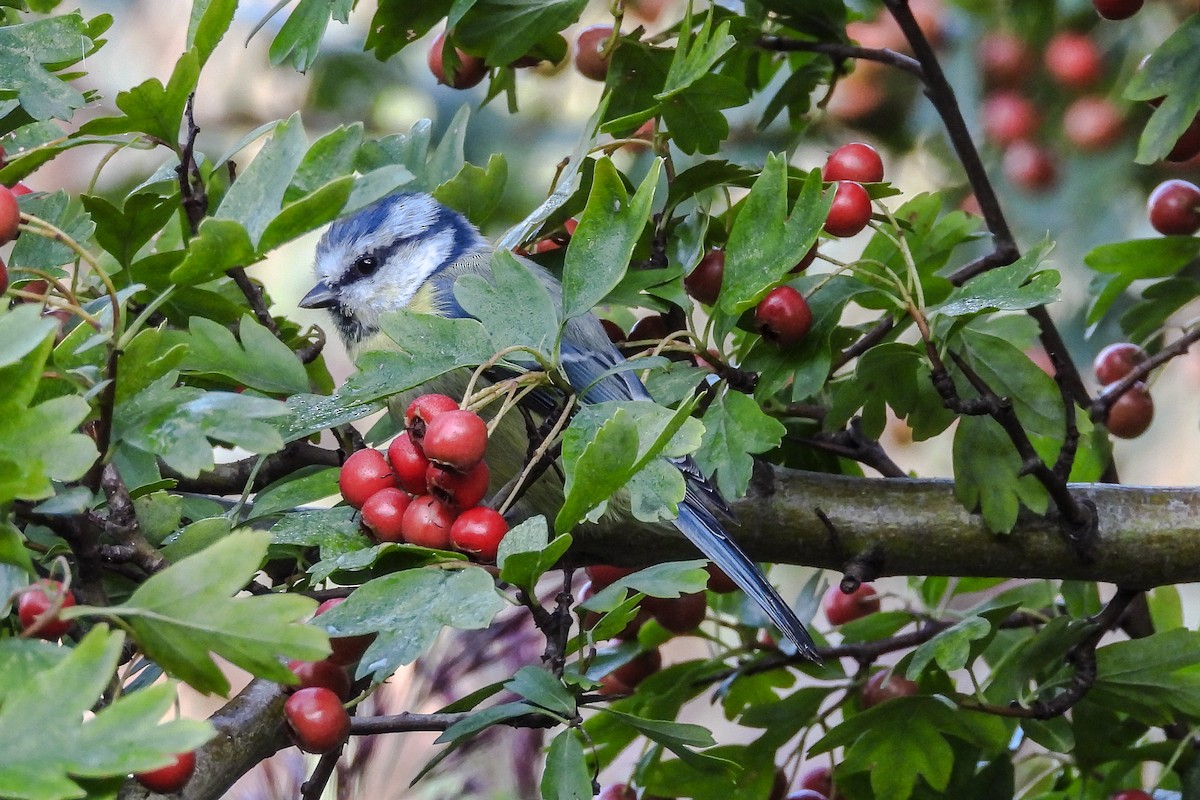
point(783, 316)
point(427, 489)
point(1011, 120)
point(1131, 413)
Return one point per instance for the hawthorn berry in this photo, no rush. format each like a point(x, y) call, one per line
point(818, 779)
point(704, 282)
point(345, 649)
point(1117, 360)
point(456, 439)
point(805, 794)
point(718, 581)
point(171, 778)
point(614, 332)
point(1009, 116)
point(884, 686)
point(427, 522)
point(1187, 146)
point(851, 210)
point(681, 614)
point(10, 215)
point(365, 472)
point(783, 317)
point(630, 674)
point(1004, 59)
point(556, 240)
point(1131, 794)
point(805, 262)
point(1029, 166)
point(841, 607)
point(855, 161)
point(478, 531)
point(19, 188)
point(422, 410)
point(3, 277)
point(409, 464)
point(653, 328)
point(318, 720)
point(469, 72)
point(1131, 414)
point(383, 512)
point(325, 673)
point(1092, 123)
point(1174, 208)
point(1073, 59)
point(1117, 9)
point(458, 489)
point(604, 575)
point(590, 58)
point(46, 597)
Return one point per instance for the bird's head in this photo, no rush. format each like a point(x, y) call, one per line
point(382, 258)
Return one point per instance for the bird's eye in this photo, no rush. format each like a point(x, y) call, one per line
point(366, 265)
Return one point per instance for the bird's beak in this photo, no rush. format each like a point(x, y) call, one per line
point(320, 296)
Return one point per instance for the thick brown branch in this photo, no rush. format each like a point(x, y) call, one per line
point(842, 52)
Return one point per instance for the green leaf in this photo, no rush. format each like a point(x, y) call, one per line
point(524, 567)
point(567, 776)
point(149, 356)
point(308, 213)
point(13, 552)
point(22, 329)
point(1121, 263)
point(408, 609)
point(209, 23)
point(513, 304)
point(41, 444)
point(604, 461)
point(542, 689)
point(150, 107)
point(63, 211)
point(987, 474)
point(306, 485)
point(1159, 671)
point(124, 231)
point(505, 30)
point(299, 38)
point(1017, 287)
point(189, 612)
point(255, 359)
point(696, 56)
point(951, 648)
point(26, 49)
point(742, 771)
point(177, 423)
point(49, 741)
point(1171, 73)
point(219, 245)
point(766, 242)
point(475, 192)
point(735, 427)
point(256, 197)
point(603, 243)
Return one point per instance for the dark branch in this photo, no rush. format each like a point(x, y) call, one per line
point(841, 52)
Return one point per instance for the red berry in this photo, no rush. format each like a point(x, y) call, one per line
point(590, 59)
point(1174, 207)
point(456, 439)
point(605, 575)
point(1188, 144)
point(1117, 9)
point(1005, 59)
point(1009, 116)
point(383, 512)
point(171, 778)
point(20, 188)
point(718, 581)
point(883, 686)
point(325, 673)
point(681, 614)
point(818, 779)
point(1117, 360)
point(427, 523)
point(841, 608)
point(1092, 123)
point(613, 331)
point(851, 210)
point(478, 532)
point(1131, 794)
point(365, 472)
point(470, 71)
point(458, 489)
point(345, 649)
point(805, 262)
point(421, 411)
point(704, 282)
point(408, 463)
point(783, 317)
point(1131, 414)
point(10, 215)
point(854, 162)
point(39, 599)
point(1030, 166)
point(805, 794)
point(650, 329)
point(558, 239)
point(1073, 59)
point(3, 277)
point(319, 722)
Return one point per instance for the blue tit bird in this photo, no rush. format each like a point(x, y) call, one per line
point(405, 252)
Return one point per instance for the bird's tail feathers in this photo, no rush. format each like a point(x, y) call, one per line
point(704, 531)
